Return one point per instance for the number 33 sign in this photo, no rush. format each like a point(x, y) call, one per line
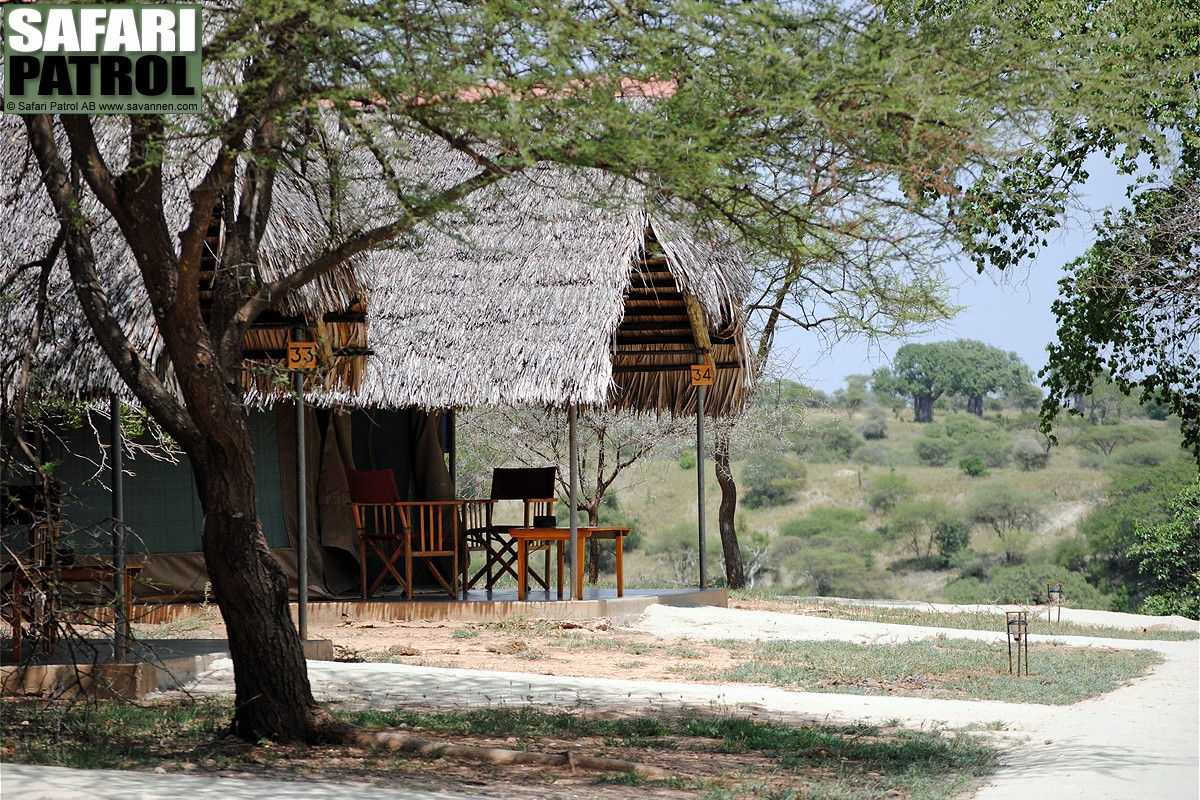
point(302, 355)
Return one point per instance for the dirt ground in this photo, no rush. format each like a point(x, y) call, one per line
point(586, 648)
point(590, 648)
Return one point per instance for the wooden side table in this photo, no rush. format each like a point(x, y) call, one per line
point(540, 538)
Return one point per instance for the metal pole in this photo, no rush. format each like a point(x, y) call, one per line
point(118, 528)
point(700, 476)
point(452, 445)
point(301, 505)
point(573, 470)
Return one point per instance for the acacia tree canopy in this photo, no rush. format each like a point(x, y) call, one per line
point(1129, 310)
point(814, 131)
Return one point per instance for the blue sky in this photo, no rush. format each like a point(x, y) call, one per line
point(1010, 311)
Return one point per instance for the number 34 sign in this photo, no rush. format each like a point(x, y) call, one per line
point(704, 374)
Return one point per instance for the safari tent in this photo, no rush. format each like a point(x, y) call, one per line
point(552, 288)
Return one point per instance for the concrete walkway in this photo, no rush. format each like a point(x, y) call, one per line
point(26, 782)
point(1142, 740)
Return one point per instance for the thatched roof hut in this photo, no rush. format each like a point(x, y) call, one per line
point(553, 287)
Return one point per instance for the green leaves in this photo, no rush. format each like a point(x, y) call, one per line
point(1128, 309)
point(1168, 555)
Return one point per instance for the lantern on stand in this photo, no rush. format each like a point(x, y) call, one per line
point(1017, 627)
point(1054, 595)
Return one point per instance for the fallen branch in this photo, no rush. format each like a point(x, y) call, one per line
point(498, 755)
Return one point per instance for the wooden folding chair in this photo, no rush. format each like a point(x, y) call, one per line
point(432, 533)
point(534, 487)
point(396, 532)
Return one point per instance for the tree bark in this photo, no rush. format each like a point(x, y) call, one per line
point(273, 696)
point(975, 405)
point(923, 407)
point(735, 571)
point(593, 554)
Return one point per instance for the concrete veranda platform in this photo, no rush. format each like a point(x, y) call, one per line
point(77, 666)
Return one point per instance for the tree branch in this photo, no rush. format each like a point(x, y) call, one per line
point(133, 368)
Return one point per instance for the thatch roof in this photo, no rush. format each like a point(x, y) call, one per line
point(552, 287)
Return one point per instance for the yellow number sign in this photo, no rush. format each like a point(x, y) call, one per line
point(704, 374)
point(302, 355)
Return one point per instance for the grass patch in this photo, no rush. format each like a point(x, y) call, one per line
point(942, 668)
point(983, 621)
point(522, 624)
point(713, 757)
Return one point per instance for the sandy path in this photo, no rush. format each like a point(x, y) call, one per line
point(1142, 740)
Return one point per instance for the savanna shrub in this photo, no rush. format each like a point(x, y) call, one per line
point(870, 454)
point(825, 520)
point(772, 479)
point(1028, 454)
point(1146, 454)
point(990, 447)
point(887, 490)
point(934, 448)
point(973, 466)
point(874, 427)
point(831, 441)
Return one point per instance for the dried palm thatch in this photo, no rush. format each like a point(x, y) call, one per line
point(552, 287)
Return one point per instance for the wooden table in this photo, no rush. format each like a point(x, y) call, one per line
point(29, 581)
point(539, 538)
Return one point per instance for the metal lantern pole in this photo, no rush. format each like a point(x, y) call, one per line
point(1054, 599)
point(1016, 624)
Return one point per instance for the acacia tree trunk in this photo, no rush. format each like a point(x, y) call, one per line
point(273, 695)
point(593, 554)
point(735, 572)
point(923, 407)
point(274, 698)
point(975, 405)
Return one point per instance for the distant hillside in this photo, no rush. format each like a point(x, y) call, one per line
point(965, 509)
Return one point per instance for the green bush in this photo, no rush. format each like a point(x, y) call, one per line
point(874, 427)
point(1147, 454)
point(827, 571)
point(964, 436)
point(611, 513)
point(973, 466)
point(934, 448)
point(929, 528)
point(1028, 454)
point(1168, 557)
point(887, 490)
point(870, 454)
point(961, 427)
point(825, 520)
point(1135, 495)
point(1011, 512)
point(687, 460)
point(953, 537)
point(1023, 583)
point(1109, 437)
point(990, 447)
point(772, 479)
point(830, 441)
